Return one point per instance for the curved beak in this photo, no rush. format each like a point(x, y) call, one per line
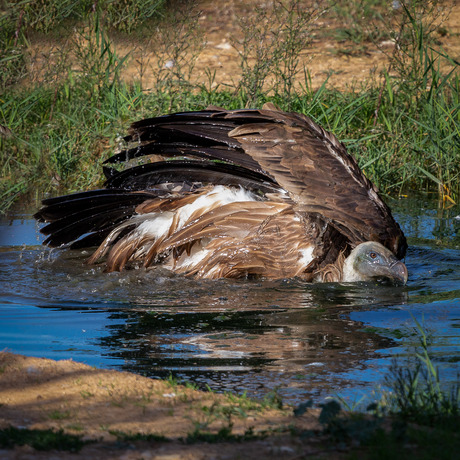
point(398, 272)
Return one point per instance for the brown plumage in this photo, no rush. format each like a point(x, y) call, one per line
point(258, 193)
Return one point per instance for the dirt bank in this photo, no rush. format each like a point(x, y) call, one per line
point(105, 406)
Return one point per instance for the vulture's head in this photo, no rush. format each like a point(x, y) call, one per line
point(371, 261)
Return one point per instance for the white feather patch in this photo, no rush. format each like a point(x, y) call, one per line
point(157, 224)
point(306, 255)
point(219, 195)
point(195, 257)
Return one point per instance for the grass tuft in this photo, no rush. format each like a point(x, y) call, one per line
point(40, 439)
point(417, 393)
point(133, 437)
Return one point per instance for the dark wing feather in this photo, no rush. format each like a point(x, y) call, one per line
point(192, 134)
point(96, 213)
point(320, 176)
point(287, 148)
point(264, 150)
point(169, 150)
point(55, 208)
point(193, 174)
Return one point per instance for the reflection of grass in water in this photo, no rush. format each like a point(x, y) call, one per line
point(394, 333)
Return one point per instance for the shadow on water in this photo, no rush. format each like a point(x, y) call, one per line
point(306, 340)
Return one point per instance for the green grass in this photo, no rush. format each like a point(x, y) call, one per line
point(59, 415)
point(401, 440)
point(416, 391)
point(40, 439)
point(48, 15)
point(133, 437)
point(357, 18)
point(223, 435)
point(405, 132)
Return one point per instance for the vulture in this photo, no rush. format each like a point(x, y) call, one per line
point(233, 194)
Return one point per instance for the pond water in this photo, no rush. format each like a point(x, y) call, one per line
point(305, 341)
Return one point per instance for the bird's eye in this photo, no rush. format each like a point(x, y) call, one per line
point(373, 255)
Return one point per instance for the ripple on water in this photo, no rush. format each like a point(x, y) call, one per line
point(308, 340)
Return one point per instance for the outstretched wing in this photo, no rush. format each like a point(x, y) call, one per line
point(304, 197)
point(320, 176)
point(275, 148)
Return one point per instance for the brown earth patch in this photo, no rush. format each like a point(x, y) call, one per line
point(345, 63)
point(40, 394)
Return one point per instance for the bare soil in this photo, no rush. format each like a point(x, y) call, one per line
point(343, 63)
point(40, 394)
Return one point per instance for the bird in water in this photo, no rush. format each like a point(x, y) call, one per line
point(233, 194)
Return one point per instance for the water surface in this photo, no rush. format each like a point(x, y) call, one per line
point(302, 340)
